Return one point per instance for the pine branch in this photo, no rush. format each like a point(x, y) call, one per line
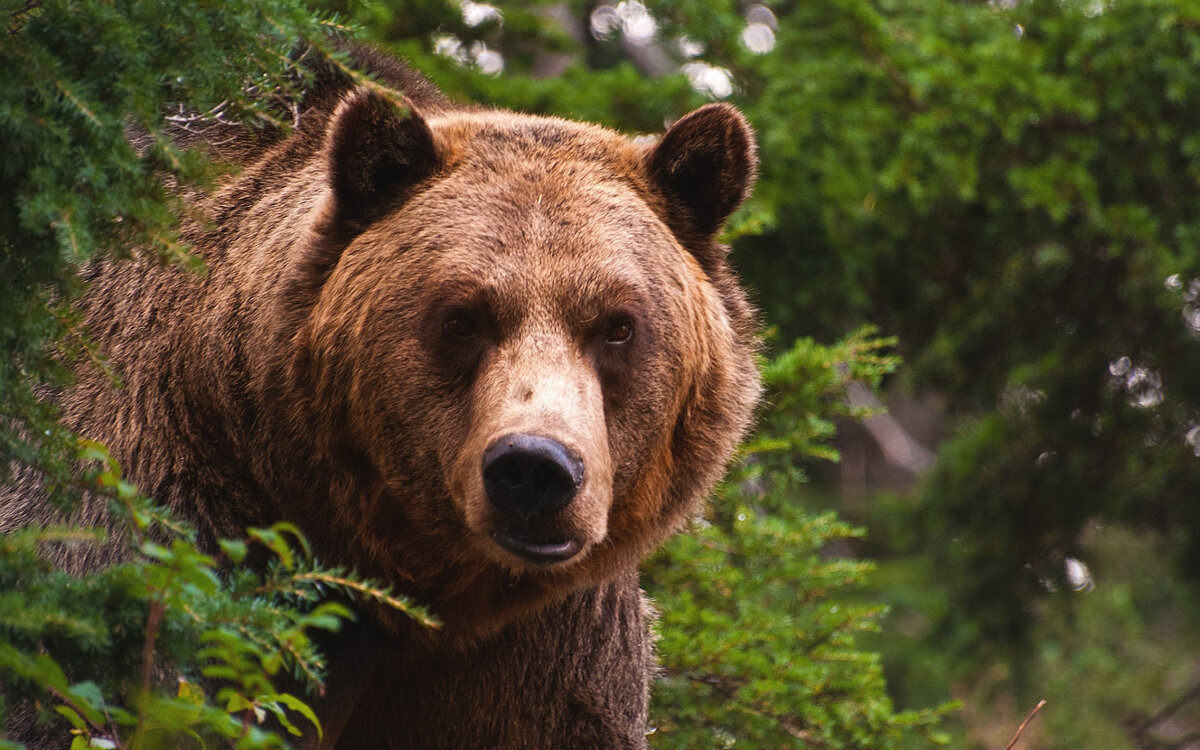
point(381, 595)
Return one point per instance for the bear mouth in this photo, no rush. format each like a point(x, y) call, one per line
point(539, 551)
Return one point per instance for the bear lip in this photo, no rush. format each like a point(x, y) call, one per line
point(538, 551)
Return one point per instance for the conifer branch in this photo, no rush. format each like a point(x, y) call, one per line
point(78, 102)
point(381, 595)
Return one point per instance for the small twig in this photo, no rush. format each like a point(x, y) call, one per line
point(157, 610)
point(1013, 742)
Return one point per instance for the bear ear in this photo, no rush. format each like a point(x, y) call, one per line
point(377, 150)
point(707, 161)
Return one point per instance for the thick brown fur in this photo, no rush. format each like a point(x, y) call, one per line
point(388, 290)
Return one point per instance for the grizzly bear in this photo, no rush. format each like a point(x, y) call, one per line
point(489, 358)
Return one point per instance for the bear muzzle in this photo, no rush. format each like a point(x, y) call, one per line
point(528, 480)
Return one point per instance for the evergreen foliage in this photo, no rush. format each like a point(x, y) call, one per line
point(760, 645)
point(238, 640)
point(80, 79)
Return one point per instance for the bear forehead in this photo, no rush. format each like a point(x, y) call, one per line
point(543, 214)
point(529, 145)
point(526, 255)
point(523, 255)
point(538, 233)
point(531, 188)
point(544, 209)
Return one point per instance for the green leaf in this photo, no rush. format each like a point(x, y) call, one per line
point(72, 716)
point(234, 549)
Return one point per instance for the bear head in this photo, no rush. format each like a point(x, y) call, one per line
point(515, 345)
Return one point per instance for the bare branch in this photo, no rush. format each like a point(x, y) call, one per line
point(1013, 742)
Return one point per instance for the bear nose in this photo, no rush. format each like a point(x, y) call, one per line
point(530, 475)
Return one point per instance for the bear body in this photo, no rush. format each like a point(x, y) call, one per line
point(488, 358)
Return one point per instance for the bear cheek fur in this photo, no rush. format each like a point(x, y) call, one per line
point(367, 359)
point(660, 482)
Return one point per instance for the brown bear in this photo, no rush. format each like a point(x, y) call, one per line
point(489, 358)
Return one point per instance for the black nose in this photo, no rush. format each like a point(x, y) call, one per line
point(530, 475)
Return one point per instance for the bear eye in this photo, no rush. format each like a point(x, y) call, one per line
point(619, 331)
point(461, 325)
